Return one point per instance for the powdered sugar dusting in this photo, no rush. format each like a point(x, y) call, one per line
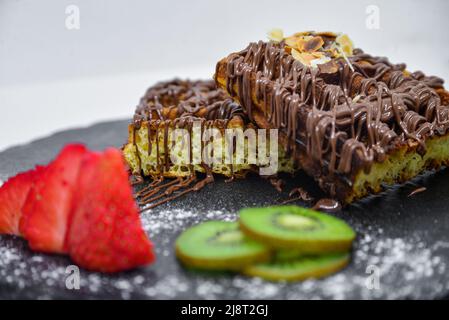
point(405, 237)
point(418, 269)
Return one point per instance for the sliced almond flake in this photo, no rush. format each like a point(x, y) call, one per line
point(357, 98)
point(276, 35)
point(345, 43)
point(318, 55)
point(300, 57)
point(303, 33)
point(322, 60)
point(297, 55)
point(311, 44)
point(330, 67)
point(343, 54)
point(328, 34)
point(291, 42)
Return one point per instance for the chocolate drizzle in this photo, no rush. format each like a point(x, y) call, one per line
point(277, 184)
point(298, 194)
point(179, 99)
point(416, 191)
point(327, 205)
point(342, 120)
point(180, 104)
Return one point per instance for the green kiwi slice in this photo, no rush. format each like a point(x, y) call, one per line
point(299, 269)
point(287, 254)
point(308, 231)
point(218, 245)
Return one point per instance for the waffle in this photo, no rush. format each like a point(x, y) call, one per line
point(352, 121)
point(179, 104)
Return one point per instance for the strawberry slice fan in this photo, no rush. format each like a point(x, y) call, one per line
point(80, 204)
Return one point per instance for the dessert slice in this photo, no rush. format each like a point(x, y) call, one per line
point(166, 137)
point(352, 121)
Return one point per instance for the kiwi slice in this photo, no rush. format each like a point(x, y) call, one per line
point(299, 269)
point(287, 254)
point(218, 245)
point(306, 230)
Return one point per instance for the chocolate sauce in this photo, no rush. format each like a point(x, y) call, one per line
point(301, 192)
point(298, 194)
point(277, 184)
point(136, 179)
point(177, 99)
point(416, 191)
point(342, 121)
point(183, 184)
point(180, 104)
point(327, 205)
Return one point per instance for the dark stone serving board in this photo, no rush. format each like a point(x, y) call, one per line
point(404, 240)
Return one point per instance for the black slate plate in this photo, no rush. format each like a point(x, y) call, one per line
point(405, 241)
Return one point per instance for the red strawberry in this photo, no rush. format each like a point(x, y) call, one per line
point(105, 232)
point(46, 209)
point(13, 194)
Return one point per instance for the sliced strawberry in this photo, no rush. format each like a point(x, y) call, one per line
point(13, 194)
point(105, 232)
point(46, 209)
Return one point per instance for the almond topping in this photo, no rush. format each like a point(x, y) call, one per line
point(310, 45)
point(275, 35)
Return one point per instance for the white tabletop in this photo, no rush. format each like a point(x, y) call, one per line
point(53, 77)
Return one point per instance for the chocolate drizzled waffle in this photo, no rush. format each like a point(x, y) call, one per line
point(180, 104)
point(352, 121)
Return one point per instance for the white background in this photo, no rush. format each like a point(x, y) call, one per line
point(52, 78)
